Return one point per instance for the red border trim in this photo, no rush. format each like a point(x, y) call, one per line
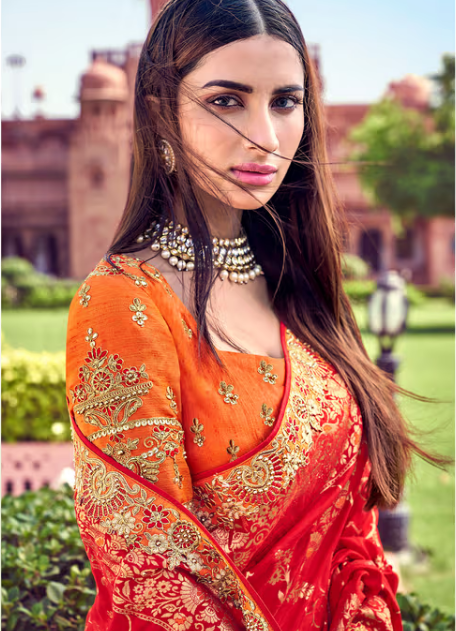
point(181, 508)
point(278, 424)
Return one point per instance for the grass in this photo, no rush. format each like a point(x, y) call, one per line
point(427, 368)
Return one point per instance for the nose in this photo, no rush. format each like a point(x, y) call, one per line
point(261, 130)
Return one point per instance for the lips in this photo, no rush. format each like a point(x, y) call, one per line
point(252, 173)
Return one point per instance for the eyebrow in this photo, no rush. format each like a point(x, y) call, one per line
point(241, 87)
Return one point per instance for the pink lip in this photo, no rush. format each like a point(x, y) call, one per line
point(252, 173)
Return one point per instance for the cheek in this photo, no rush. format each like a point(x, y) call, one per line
point(289, 134)
point(206, 136)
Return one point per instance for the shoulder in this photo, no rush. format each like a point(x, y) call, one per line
point(121, 278)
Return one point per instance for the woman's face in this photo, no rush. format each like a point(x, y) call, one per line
point(256, 85)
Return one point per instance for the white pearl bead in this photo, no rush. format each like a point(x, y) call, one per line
point(140, 239)
point(190, 266)
point(155, 247)
point(234, 276)
point(224, 274)
point(181, 265)
point(173, 260)
point(252, 275)
point(166, 254)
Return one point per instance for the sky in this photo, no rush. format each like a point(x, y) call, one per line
point(364, 44)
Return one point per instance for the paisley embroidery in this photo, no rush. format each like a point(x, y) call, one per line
point(83, 293)
point(227, 392)
point(197, 428)
point(266, 370)
point(107, 394)
point(138, 308)
point(266, 415)
point(156, 545)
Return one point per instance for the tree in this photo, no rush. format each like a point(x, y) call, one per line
point(408, 156)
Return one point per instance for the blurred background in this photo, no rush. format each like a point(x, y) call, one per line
point(387, 79)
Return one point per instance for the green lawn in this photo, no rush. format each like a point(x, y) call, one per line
point(427, 368)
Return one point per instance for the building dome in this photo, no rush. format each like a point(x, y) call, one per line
point(104, 82)
point(411, 91)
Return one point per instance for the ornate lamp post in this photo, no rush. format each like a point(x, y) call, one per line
point(387, 318)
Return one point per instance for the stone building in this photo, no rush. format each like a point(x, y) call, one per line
point(65, 182)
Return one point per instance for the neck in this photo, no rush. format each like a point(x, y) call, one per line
point(223, 221)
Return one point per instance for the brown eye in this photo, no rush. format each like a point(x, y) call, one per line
point(224, 101)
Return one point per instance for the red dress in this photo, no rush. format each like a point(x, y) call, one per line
point(215, 498)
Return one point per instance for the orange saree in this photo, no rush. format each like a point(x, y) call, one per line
point(215, 498)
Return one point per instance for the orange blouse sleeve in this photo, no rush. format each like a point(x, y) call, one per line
point(123, 379)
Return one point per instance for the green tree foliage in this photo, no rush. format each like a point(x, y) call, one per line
point(409, 154)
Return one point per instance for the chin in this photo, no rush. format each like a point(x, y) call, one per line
point(243, 201)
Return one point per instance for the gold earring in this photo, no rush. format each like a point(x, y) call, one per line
point(167, 156)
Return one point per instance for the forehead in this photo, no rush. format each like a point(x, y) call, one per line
point(260, 61)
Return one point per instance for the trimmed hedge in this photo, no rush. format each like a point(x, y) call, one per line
point(354, 267)
point(33, 396)
point(46, 578)
point(359, 291)
point(24, 287)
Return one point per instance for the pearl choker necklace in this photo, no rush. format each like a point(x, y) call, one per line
point(234, 257)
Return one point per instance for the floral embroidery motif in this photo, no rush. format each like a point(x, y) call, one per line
point(138, 309)
point(197, 428)
point(170, 396)
point(264, 478)
point(266, 370)
point(266, 414)
point(83, 293)
point(144, 532)
point(227, 392)
point(108, 395)
point(187, 330)
point(233, 450)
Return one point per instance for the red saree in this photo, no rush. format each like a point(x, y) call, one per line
point(272, 535)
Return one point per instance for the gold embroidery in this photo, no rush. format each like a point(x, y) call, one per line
point(197, 428)
point(233, 450)
point(105, 391)
point(187, 330)
point(266, 414)
point(118, 515)
point(84, 295)
point(138, 309)
point(107, 395)
point(227, 392)
point(266, 370)
point(170, 396)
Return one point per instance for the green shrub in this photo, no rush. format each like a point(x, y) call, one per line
point(419, 617)
point(33, 396)
point(354, 268)
point(359, 291)
point(46, 578)
point(415, 296)
point(444, 290)
point(24, 287)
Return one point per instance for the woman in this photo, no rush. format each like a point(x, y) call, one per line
point(232, 438)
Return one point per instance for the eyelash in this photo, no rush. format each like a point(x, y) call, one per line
point(295, 99)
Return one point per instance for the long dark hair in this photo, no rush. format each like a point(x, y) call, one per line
point(296, 237)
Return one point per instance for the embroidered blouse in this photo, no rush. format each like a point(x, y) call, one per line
point(267, 455)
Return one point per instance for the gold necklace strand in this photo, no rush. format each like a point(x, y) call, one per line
point(233, 257)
